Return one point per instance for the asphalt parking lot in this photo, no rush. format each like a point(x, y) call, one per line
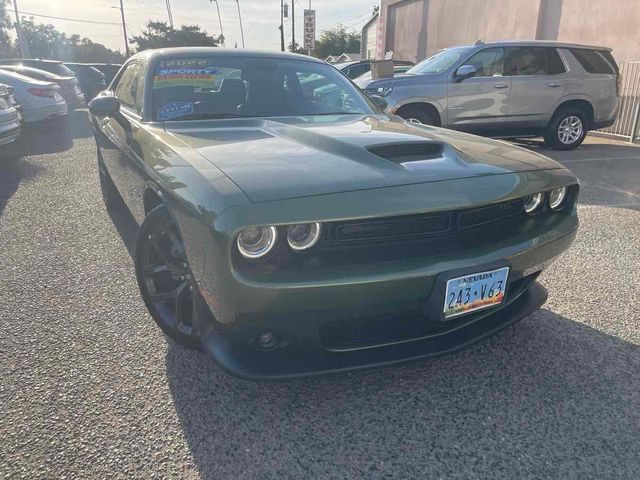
point(91, 389)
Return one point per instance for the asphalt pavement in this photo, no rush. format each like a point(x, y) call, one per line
point(92, 389)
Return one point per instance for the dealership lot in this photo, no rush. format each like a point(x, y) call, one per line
point(91, 389)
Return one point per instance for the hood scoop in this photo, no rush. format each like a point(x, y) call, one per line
point(406, 152)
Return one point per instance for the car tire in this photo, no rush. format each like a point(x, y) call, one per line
point(417, 115)
point(110, 195)
point(567, 129)
point(165, 280)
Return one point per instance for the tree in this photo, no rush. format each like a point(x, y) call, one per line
point(160, 35)
point(44, 41)
point(337, 40)
point(7, 47)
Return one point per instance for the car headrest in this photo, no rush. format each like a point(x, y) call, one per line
point(233, 86)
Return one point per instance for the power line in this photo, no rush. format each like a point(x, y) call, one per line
point(68, 19)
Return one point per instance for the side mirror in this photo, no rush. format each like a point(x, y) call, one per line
point(379, 101)
point(464, 72)
point(104, 106)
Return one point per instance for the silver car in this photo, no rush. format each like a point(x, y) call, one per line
point(509, 89)
point(10, 122)
point(39, 100)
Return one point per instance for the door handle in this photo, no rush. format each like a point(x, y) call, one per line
point(554, 85)
point(500, 85)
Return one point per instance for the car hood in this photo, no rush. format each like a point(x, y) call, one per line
point(273, 159)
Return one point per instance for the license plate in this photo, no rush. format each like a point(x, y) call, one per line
point(475, 291)
point(57, 97)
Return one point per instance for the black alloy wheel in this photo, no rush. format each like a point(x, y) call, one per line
point(164, 277)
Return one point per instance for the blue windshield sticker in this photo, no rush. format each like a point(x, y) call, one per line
point(174, 110)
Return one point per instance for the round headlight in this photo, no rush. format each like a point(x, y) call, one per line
point(556, 198)
point(256, 242)
point(302, 236)
point(533, 202)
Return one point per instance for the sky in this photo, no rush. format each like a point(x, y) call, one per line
point(260, 18)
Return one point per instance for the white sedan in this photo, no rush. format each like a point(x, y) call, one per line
point(39, 100)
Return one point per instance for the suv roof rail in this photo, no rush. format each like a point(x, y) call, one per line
point(478, 42)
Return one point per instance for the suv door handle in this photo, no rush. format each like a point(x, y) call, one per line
point(500, 85)
point(554, 85)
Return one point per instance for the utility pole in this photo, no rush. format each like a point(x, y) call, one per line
point(308, 51)
point(219, 20)
point(293, 26)
point(281, 27)
point(24, 50)
point(124, 29)
point(240, 17)
point(169, 14)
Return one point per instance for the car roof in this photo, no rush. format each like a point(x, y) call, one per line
point(23, 78)
point(28, 69)
point(539, 43)
point(219, 52)
point(30, 60)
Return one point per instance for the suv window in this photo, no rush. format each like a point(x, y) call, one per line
point(534, 61)
point(488, 62)
point(127, 87)
point(594, 61)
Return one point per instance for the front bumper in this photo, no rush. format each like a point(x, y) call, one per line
point(317, 308)
point(297, 316)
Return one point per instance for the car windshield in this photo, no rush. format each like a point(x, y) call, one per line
point(439, 62)
point(210, 87)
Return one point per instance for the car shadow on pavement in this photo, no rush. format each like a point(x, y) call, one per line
point(548, 397)
point(13, 171)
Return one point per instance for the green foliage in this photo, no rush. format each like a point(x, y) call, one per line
point(161, 35)
point(337, 40)
point(7, 47)
point(44, 41)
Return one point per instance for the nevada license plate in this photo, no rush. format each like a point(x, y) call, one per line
point(474, 292)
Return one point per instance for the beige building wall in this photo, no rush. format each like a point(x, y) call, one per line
point(418, 28)
point(610, 23)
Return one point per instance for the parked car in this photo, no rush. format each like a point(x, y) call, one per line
point(287, 235)
point(92, 81)
point(7, 94)
point(10, 123)
point(51, 66)
point(69, 87)
point(38, 100)
point(109, 69)
point(366, 77)
point(360, 67)
point(510, 89)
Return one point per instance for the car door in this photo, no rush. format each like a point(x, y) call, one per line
point(538, 80)
point(124, 159)
point(482, 100)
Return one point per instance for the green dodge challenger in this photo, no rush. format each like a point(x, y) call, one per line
point(288, 227)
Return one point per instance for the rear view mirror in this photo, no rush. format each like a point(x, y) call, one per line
point(464, 72)
point(104, 106)
point(379, 101)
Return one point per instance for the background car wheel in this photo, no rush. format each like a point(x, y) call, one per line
point(164, 278)
point(417, 115)
point(110, 194)
point(567, 129)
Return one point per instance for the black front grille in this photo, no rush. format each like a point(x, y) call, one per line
point(411, 227)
